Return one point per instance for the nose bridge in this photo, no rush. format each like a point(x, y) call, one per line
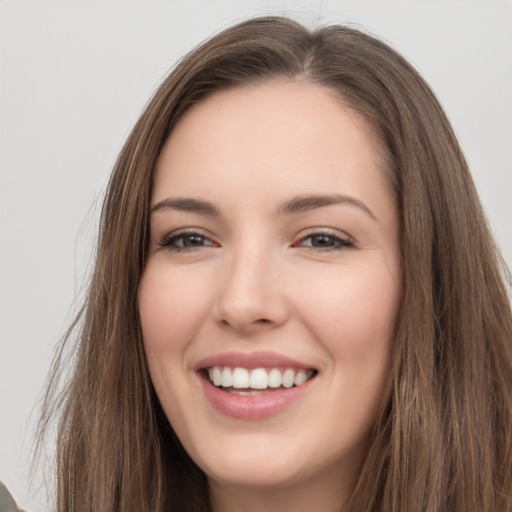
point(251, 295)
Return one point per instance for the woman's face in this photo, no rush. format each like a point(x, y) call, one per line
point(272, 285)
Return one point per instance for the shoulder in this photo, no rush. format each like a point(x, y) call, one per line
point(7, 503)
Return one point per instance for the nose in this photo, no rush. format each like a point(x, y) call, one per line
point(252, 296)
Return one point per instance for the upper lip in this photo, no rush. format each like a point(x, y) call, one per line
point(251, 360)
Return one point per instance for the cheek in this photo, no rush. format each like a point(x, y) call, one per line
point(171, 307)
point(353, 313)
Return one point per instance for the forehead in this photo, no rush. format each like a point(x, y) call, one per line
point(290, 134)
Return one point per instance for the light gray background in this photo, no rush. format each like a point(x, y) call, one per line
point(75, 76)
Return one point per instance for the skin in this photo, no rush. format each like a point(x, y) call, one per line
point(256, 281)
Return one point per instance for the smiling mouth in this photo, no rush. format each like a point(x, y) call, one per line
point(253, 382)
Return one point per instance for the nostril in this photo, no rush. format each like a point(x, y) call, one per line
point(250, 326)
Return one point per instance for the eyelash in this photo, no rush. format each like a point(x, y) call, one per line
point(340, 243)
point(170, 240)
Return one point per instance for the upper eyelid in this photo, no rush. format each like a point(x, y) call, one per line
point(337, 233)
point(187, 231)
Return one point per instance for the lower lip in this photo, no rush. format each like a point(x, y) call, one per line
point(256, 407)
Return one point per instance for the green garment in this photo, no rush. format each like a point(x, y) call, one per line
point(7, 503)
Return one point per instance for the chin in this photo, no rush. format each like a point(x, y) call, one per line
point(251, 473)
point(268, 462)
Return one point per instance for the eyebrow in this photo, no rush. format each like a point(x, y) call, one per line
point(186, 204)
point(305, 203)
point(298, 204)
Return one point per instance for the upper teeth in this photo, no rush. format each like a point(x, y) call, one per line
point(258, 378)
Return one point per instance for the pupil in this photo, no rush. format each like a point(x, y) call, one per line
point(192, 240)
point(321, 241)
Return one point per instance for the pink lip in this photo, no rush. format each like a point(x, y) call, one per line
point(251, 361)
point(252, 407)
point(255, 407)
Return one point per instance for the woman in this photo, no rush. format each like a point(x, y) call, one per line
point(296, 300)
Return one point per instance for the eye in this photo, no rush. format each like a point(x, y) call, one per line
point(324, 242)
point(188, 240)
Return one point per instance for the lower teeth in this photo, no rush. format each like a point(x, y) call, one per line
point(250, 392)
point(247, 393)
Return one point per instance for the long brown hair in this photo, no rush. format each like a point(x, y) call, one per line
point(444, 439)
